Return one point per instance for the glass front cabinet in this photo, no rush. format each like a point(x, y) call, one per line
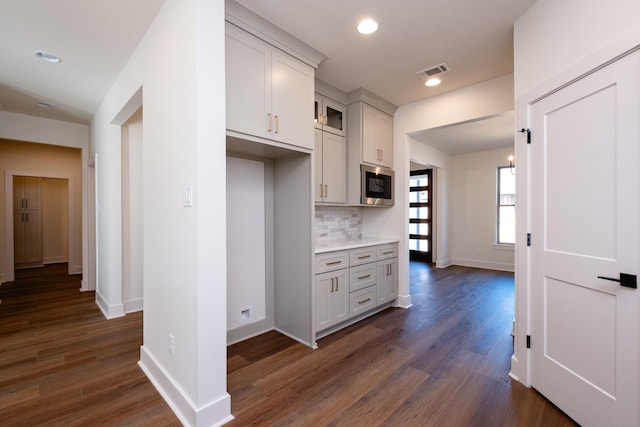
point(329, 115)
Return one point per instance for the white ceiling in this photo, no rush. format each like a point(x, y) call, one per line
point(95, 39)
point(487, 133)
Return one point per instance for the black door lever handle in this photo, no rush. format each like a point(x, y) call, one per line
point(626, 280)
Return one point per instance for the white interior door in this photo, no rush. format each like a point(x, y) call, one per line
point(585, 222)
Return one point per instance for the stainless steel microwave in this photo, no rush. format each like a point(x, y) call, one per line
point(377, 186)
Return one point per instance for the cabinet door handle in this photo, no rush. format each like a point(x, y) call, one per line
point(326, 120)
point(364, 301)
point(364, 256)
point(26, 214)
point(364, 277)
point(332, 263)
point(326, 190)
point(277, 124)
point(387, 253)
point(332, 284)
point(337, 281)
point(269, 125)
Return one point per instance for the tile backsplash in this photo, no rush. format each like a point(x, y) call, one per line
point(338, 223)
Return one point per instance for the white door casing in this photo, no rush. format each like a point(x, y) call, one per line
point(585, 222)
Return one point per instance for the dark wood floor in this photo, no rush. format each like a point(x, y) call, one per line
point(63, 364)
point(443, 362)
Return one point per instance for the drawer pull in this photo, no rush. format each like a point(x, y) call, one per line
point(387, 253)
point(364, 256)
point(364, 277)
point(362, 302)
point(333, 263)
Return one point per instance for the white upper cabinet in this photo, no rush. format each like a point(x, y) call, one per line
point(377, 137)
point(330, 116)
point(269, 92)
point(370, 136)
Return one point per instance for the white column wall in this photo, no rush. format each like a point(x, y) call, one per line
point(469, 103)
point(179, 64)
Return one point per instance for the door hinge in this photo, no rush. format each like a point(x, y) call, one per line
point(528, 131)
point(528, 239)
point(528, 341)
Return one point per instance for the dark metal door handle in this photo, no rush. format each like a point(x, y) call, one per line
point(626, 280)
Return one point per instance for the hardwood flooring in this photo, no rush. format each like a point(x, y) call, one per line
point(63, 364)
point(443, 362)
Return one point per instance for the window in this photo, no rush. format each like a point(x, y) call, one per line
point(506, 206)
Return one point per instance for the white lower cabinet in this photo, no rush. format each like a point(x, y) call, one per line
point(331, 298)
point(359, 281)
point(386, 289)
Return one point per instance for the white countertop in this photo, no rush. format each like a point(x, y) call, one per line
point(340, 245)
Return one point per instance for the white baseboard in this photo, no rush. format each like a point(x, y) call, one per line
point(109, 311)
point(484, 264)
point(404, 301)
point(215, 413)
point(443, 263)
point(133, 305)
point(84, 286)
point(55, 259)
point(248, 331)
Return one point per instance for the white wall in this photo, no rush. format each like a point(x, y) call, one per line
point(555, 41)
point(247, 284)
point(178, 65)
point(473, 210)
point(553, 35)
point(132, 255)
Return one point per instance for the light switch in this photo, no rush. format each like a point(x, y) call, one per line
point(188, 196)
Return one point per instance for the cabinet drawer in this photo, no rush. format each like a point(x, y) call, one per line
point(387, 251)
point(362, 300)
point(332, 261)
point(362, 256)
point(362, 276)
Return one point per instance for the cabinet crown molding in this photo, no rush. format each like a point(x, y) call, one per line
point(255, 24)
point(332, 92)
point(372, 99)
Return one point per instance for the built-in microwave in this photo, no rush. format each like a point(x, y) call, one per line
point(377, 186)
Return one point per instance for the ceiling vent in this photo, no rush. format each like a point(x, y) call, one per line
point(433, 71)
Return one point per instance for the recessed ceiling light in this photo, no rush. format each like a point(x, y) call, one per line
point(47, 56)
point(43, 104)
point(432, 82)
point(367, 26)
